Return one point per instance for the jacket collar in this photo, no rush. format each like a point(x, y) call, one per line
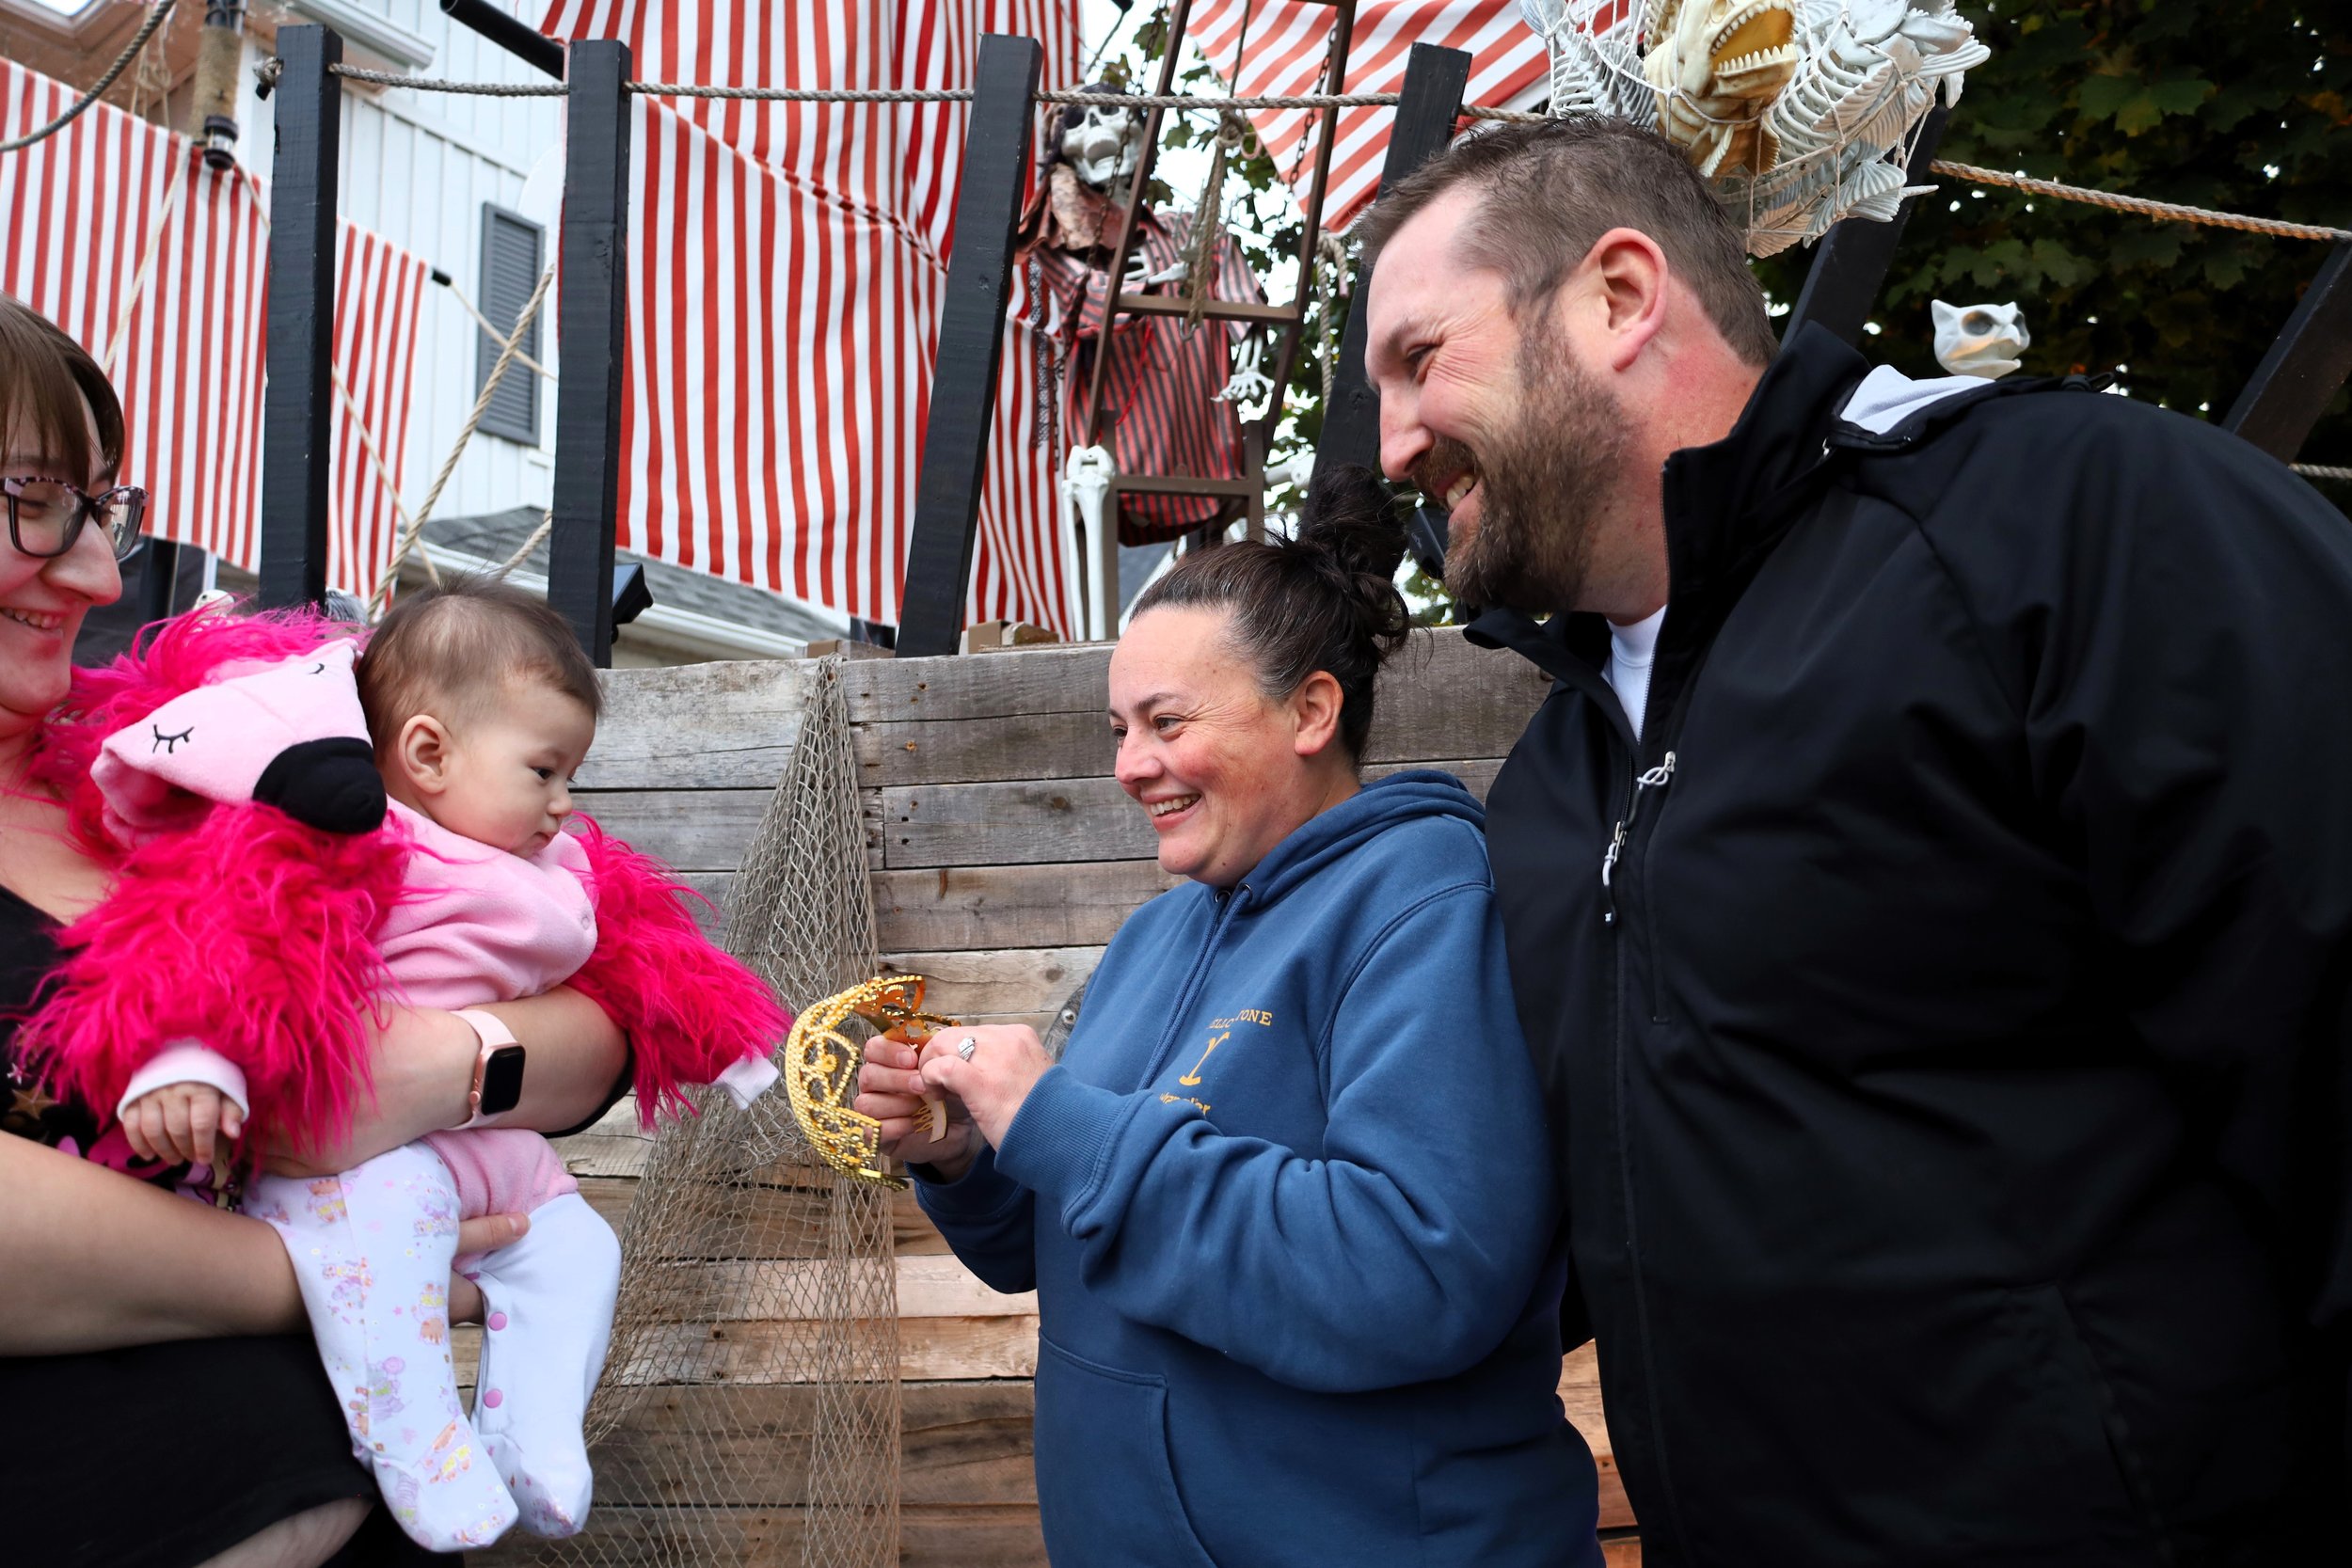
point(1724, 501)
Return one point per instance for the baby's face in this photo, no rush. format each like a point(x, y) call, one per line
point(510, 775)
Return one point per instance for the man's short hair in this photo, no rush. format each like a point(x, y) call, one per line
point(1550, 191)
point(458, 650)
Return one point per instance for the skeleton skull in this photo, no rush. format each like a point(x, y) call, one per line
point(1980, 339)
point(1102, 143)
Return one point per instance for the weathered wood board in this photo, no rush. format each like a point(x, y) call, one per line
point(1003, 856)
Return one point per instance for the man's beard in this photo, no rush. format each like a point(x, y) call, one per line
point(1542, 482)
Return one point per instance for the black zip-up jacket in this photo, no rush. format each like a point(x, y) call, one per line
point(1948, 1057)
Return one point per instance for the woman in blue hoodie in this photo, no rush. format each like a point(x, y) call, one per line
point(1285, 1199)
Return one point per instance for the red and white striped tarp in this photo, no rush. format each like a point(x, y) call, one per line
point(119, 232)
point(788, 264)
point(379, 290)
point(1279, 47)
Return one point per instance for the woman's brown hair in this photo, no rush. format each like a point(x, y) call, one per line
point(48, 384)
point(1325, 600)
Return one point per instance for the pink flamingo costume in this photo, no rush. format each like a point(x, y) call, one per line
point(264, 902)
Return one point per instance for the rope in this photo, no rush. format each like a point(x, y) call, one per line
point(116, 339)
point(525, 361)
point(547, 526)
point(2321, 471)
point(375, 460)
point(122, 63)
point(1508, 116)
point(2162, 210)
point(2165, 211)
point(270, 71)
point(449, 465)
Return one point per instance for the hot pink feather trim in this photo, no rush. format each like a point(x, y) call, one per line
point(249, 933)
point(689, 1009)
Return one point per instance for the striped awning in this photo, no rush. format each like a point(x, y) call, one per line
point(788, 267)
point(1280, 46)
point(119, 232)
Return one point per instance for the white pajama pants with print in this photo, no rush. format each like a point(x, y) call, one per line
point(372, 1249)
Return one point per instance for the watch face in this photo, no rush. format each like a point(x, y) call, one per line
point(502, 1080)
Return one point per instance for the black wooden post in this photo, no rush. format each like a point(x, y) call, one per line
point(591, 326)
point(159, 578)
point(1855, 254)
point(2307, 362)
point(299, 409)
point(971, 339)
point(1427, 106)
point(519, 39)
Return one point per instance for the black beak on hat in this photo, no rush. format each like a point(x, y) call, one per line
point(329, 785)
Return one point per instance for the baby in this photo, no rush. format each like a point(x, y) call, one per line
point(481, 706)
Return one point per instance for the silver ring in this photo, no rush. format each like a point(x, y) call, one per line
point(969, 1045)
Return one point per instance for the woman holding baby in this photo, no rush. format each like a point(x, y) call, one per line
point(162, 1404)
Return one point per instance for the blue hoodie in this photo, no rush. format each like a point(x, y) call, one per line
point(1286, 1206)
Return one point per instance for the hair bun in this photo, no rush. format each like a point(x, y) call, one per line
point(1351, 517)
point(1325, 600)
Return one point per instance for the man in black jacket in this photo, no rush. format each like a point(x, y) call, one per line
point(1928, 889)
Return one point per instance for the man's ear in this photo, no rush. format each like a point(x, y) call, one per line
point(421, 754)
point(1628, 276)
point(1316, 712)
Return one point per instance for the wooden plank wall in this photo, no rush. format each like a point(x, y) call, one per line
point(1003, 857)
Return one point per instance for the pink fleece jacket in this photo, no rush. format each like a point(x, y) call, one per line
point(474, 925)
point(478, 925)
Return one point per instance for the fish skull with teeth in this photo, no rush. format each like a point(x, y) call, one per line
point(1980, 339)
point(1716, 66)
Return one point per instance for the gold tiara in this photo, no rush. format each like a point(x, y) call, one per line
point(820, 1072)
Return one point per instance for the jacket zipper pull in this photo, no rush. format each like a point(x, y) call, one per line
point(1655, 778)
point(1608, 867)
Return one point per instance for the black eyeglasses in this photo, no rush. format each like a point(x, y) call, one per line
point(46, 515)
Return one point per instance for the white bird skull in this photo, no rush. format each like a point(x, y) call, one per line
point(1980, 339)
point(1104, 145)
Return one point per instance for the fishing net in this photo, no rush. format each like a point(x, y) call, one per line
point(749, 1407)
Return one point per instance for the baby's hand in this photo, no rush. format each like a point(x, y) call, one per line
point(180, 1122)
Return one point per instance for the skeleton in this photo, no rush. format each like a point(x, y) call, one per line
point(1250, 381)
point(1087, 476)
point(1980, 339)
point(1104, 145)
point(1801, 110)
point(1139, 275)
point(1197, 381)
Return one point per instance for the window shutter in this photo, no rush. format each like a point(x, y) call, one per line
point(513, 252)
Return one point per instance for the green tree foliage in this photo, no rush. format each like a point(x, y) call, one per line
point(2240, 107)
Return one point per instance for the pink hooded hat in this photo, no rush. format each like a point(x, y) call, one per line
point(286, 734)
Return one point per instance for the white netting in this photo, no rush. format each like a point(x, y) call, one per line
point(1803, 112)
point(749, 1412)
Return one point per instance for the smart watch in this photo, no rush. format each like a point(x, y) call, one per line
point(498, 1070)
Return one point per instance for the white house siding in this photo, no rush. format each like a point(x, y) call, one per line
point(416, 168)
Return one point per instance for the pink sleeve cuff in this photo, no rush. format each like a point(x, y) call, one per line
point(186, 1062)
